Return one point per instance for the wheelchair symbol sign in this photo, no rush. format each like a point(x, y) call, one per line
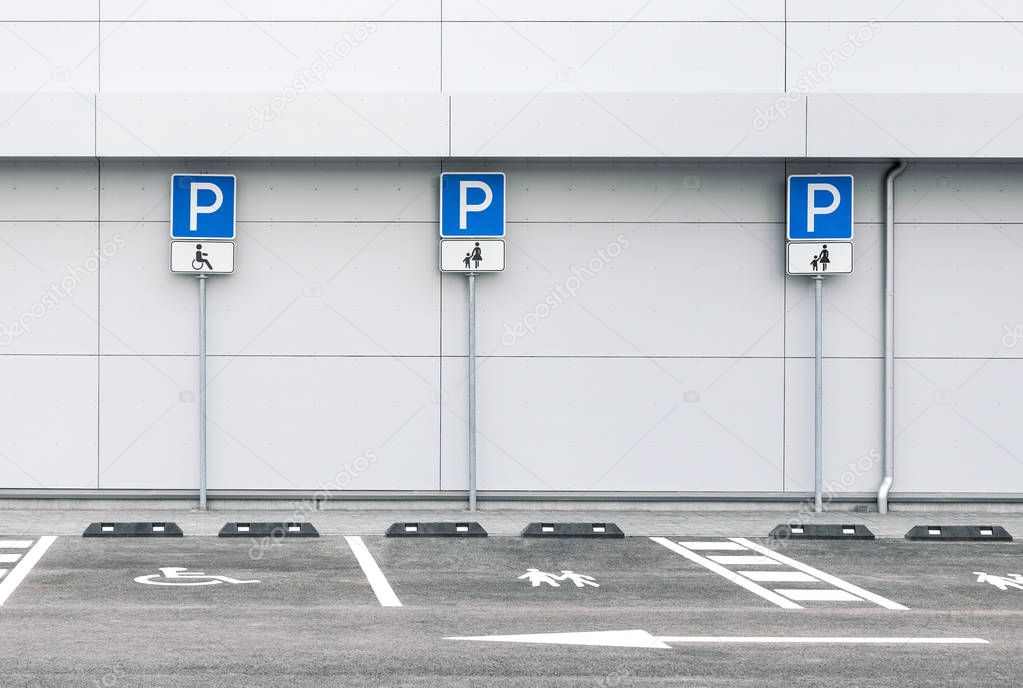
point(180, 576)
point(202, 257)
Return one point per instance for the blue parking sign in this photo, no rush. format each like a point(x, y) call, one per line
point(472, 204)
point(203, 206)
point(820, 207)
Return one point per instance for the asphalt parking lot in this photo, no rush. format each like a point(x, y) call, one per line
point(507, 611)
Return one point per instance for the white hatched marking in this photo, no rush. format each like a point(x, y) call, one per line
point(825, 577)
point(724, 545)
point(742, 560)
point(779, 576)
point(25, 544)
point(706, 563)
point(9, 558)
point(13, 579)
point(811, 595)
point(2, 572)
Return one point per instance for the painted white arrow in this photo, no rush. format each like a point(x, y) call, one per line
point(639, 638)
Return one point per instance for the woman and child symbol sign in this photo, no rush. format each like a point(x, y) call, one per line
point(821, 260)
point(475, 256)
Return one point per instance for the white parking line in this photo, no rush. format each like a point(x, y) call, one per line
point(13, 579)
point(818, 595)
point(15, 544)
point(742, 560)
point(826, 577)
point(713, 546)
point(376, 577)
point(827, 640)
point(779, 600)
point(779, 576)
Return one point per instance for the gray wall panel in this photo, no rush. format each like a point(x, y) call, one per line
point(678, 289)
point(957, 425)
point(620, 424)
point(45, 190)
point(268, 57)
point(49, 412)
point(957, 290)
point(852, 425)
point(303, 423)
point(975, 192)
point(900, 57)
point(613, 57)
point(50, 272)
point(149, 428)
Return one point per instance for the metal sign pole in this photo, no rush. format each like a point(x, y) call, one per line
point(472, 391)
point(818, 374)
point(202, 392)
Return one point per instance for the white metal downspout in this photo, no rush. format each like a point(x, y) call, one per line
point(889, 336)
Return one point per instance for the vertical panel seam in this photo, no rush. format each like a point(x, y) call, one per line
point(785, 47)
point(441, 70)
point(99, 87)
point(784, 349)
point(440, 342)
point(99, 277)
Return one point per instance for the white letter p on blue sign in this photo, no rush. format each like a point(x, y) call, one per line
point(194, 208)
point(813, 210)
point(464, 207)
point(820, 207)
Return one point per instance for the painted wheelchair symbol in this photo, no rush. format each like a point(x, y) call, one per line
point(176, 576)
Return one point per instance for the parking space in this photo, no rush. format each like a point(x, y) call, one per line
point(151, 573)
point(349, 610)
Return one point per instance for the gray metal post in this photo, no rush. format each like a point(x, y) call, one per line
point(472, 391)
point(202, 392)
point(818, 401)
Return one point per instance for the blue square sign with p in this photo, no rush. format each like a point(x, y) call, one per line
point(203, 206)
point(472, 204)
point(820, 207)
